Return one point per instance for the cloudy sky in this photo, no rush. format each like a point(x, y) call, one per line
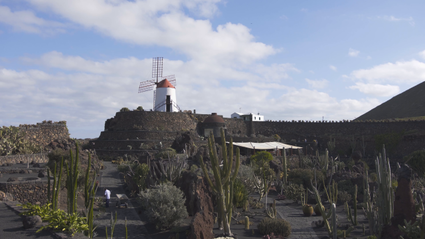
point(82, 60)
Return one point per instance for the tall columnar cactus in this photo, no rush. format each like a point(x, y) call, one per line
point(92, 189)
point(224, 177)
point(385, 194)
point(330, 227)
point(380, 214)
point(56, 186)
point(285, 167)
point(332, 192)
point(349, 214)
point(87, 184)
point(71, 181)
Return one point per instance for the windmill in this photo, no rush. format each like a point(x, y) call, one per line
point(164, 96)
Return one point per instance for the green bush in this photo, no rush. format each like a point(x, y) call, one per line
point(304, 176)
point(346, 185)
point(141, 173)
point(294, 191)
point(416, 161)
point(167, 153)
point(246, 176)
point(278, 226)
point(140, 108)
point(58, 219)
point(56, 156)
point(164, 205)
point(124, 109)
point(240, 194)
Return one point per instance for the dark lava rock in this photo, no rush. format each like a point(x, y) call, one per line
point(31, 221)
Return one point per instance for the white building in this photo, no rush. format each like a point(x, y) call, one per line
point(165, 97)
point(248, 117)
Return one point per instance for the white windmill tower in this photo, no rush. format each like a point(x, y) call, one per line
point(164, 97)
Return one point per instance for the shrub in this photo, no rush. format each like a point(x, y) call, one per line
point(164, 205)
point(416, 161)
point(124, 109)
point(344, 196)
point(294, 191)
point(246, 176)
point(56, 156)
point(346, 185)
point(140, 108)
point(240, 194)
point(166, 153)
point(278, 226)
point(304, 176)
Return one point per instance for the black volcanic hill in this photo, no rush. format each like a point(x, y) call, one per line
point(408, 104)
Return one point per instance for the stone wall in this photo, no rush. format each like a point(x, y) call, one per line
point(43, 133)
point(25, 158)
point(149, 127)
point(413, 134)
point(32, 192)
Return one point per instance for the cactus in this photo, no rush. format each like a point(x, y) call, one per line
point(350, 217)
point(71, 181)
point(224, 178)
point(380, 214)
point(285, 169)
point(86, 183)
point(246, 222)
point(113, 223)
point(272, 212)
point(331, 228)
point(56, 186)
point(332, 192)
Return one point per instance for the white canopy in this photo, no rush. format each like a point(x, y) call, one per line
point(266, 145)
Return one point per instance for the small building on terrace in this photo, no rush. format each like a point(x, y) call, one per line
point(212, 125)
point(248, 116)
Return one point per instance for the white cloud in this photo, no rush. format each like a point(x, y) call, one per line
point(422, 54)
point(304, 10)
point(376, 89)
point(400, 72)
point(283, 17)
point(26, 21)
point(164, 23)
point(317, 84)
point(353, 53)
point(395, 19)
point(333, 68)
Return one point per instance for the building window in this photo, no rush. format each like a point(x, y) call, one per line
point(254, 118)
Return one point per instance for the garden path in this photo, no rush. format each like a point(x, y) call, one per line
point(110, 179)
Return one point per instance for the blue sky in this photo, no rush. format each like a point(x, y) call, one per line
point(82, 61)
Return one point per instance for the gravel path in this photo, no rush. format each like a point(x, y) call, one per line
point(111, 179)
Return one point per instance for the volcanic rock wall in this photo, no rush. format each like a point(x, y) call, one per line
point(141, 130)
point(45, 132)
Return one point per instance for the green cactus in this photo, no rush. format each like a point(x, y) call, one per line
point(272, 212)
point(331, 228)
point(350, 217)
point(285, 167)
point(72, 179)
point(332, 192)
point(224, 178)
point(380, 214)
point(86, 183)
point(246, 222)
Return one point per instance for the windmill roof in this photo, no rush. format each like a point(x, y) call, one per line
point(164, 84)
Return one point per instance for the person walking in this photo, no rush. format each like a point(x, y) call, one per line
point(108, 197)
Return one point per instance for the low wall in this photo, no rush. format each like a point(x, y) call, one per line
point(25, 158)
point(32, 192)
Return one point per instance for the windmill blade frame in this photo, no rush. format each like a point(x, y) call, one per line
point(146, 86)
